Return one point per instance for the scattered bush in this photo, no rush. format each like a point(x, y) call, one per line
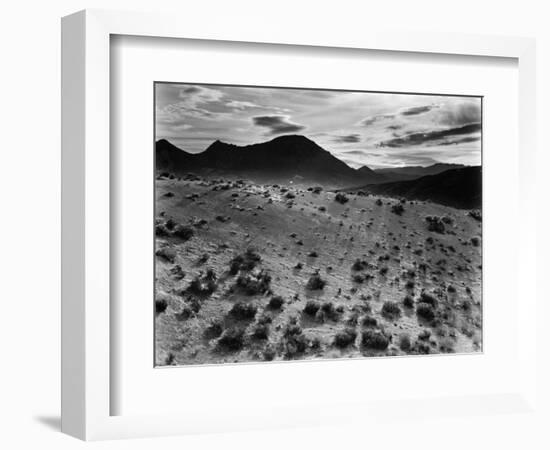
point(254, 283)
point(425, 311)
point(245, 261)
point(475, 241)
point(374, 340)
point(408, 302)
point(397, 209)
point(345, 338)
point(383, 270)
point(313, 254)
point(232, 339)
point(183, 232)
point(243, 311)
point(475, 214)
point(260, 331)
point(160, 305)
point(276, 302)
point(358, 278)
point(425, 335)
point(378, 202)
point(177, 272)
point(359, 265)
point(213, 330)
point(429, 299)
point(166, 253)
point(161, 230)
point(317, 189)
point(315, 282)
point(405, 342)
point(369, 322)
point(311, 308)
point(341, 198)
point(203, 285)
point(435, 224)
point(391, 310)
point(293, 341)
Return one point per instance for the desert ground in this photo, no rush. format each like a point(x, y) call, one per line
point(256, 272)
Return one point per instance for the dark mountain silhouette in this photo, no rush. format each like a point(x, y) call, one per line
point(412, 172)
point(285, 158)
point(372, 174)
point(459, 188)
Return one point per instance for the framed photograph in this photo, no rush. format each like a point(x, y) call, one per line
point(283, 210)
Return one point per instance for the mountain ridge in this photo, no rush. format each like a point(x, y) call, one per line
point(282, 158)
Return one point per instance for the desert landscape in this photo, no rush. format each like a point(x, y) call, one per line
point(281, 251)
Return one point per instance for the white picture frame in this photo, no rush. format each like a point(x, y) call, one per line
point(86, 246)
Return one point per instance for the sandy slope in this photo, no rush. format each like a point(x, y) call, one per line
point(262, 217)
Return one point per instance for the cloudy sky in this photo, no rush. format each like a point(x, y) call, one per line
point(373, 129)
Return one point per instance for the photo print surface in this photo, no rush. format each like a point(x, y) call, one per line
point(303, 224)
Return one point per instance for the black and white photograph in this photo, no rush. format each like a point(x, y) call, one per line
point(306, 224)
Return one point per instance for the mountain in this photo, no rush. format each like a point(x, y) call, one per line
point(285, 158)
point(376, 176)
point(459, 188)
point(412, 172)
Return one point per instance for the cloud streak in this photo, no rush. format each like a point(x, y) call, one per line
point(277, 124)
point(428, 137)
point(347, 138)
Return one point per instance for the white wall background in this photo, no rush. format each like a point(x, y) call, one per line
point(30, 192)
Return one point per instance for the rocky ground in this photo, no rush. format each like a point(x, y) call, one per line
point(249, 272)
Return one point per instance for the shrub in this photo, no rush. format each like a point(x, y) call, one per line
point(317, 189)
point(311, 308)
point(315, 282)
point(475, 214)
point(435, 224)
point(276, 302)
point(374, 340)
point(391, 310)
point(160, 305)
point(475, 241)
point(243, 311)
point(358, 278)
point(378, 202)
point(293, 341)
point(161, 230)
point(397, 209)
point(183, 232)
point(408, 302)
point(425, 311)
point(203, 285)
point(232, 339)
point(341, 198)
point(245, 261)
point(166, 253)
point(327, 308)
point(405, 342)
point(269, 353)
point(425, 335)
point(383, 270)
point(313, 254)
point(345, 338)
point(429, 299)
point(213, 330)
point(260, 331)
point(359, 265)
point(409, 284)
point(369, 322)
point(290, 195)
point(254, 283)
